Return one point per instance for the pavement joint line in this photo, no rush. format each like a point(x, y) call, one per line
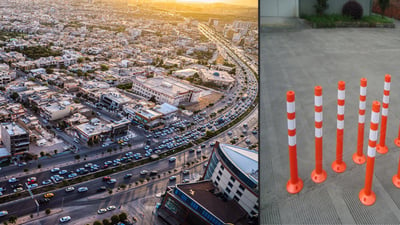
point(340, 206)
point(386, 197)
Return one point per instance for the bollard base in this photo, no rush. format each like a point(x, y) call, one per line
point(381, 149)
point(397, 142)
point(318, 177)
point(359, 159)
point(294, 188)
point(396, 181)
point(338, 167)
point(367, 199)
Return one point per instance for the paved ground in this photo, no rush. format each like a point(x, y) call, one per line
point(299, 58)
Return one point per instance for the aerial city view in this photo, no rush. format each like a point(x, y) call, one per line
point(129, 112)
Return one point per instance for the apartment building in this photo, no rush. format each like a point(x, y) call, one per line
point(15, 138)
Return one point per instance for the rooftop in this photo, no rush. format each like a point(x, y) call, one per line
point(165, 108)
point(14, 129)
point(168, 86)
point(244, 159)
point(229, 211)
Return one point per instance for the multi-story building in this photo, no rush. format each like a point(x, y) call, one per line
point(56, 110)
point(217, 77)
point(227, 194)
point(113, 100)
point(15, 138)
point(234, 170)
point(167, 90)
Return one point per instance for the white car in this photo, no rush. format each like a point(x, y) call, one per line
point(111, 207)
point(112, 181)
point(69, 189)
point(172, 159)
point(12, 180)
point(65, 219)
point(3, 213)
point(82, 189)
point(101, 211)
point(54, 170)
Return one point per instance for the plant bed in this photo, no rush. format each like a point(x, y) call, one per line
point(339, 21)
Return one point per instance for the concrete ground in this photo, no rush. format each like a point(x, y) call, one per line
point(299, 58)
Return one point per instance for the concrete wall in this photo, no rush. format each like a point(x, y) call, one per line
point(279, 8)
point(335, 6)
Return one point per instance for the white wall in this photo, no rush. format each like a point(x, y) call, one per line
point(279, 8)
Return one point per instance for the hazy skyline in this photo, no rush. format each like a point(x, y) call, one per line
point(253, 3)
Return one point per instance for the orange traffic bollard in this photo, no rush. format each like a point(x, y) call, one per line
point(295, 184)
point(381, 147)
point(338, 165)
point(397, 140)
point(366, 195)
point(318, 175)
point(359, 156)
point(396, 177)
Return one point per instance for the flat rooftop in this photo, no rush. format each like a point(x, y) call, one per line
point(168, 86)
point(228, 211)
point(14, 129)
point(299, 59)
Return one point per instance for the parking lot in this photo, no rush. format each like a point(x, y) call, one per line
point(299, 59)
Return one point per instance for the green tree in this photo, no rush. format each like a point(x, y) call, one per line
point(14, 95)
point(55, 151)
point(321, 6)
point(106, 222)
point(80, 60)
point(115, 219)
point(383, 4)
point(77, 157)
point(97, 223)
point(48, 211)
point(49, 70)
point(13, 219)
point(103, 67)
point(123, 216)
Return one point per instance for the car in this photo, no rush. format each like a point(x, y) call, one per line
point(22, 164)
point(62, 172)
point(43, 201)
point(31, 180)
point(254, 132)
point(65, 219)
point(18, 189)
point(48, 195)
point(2, 189)
point(153, 172)
point(172, 178)
point(111, 207)
point(229, 133)
point(101, 211)
point(112, 181)
point(45, 182)
point(82, 189)
point(12, 180)
point(72, 175)
point(143, 172)
point(34, 185)
point(172, 159)
point(128, 175)
point(3, 213)
point(247, 141)
point(203, 146)
point(185, 172)
point(185, 181)
point(101, 189)
point(107, 178)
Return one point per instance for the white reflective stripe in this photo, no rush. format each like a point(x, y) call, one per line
point(291, 124)
point(386, 99)
point(340, 124)
point(290, 107)
point(373, 135)
point(318, 116)
point(371, 152)
point(318, 100)
point(362, 105)
point(292, 140)
point(374, 117)
point(340, 109)
point(361, 118)
point(387, 86)
point(363, 91)
point(385, 111)
point(341, 94)
point(318, 132)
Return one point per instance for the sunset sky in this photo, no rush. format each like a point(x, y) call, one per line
point(240, 2)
